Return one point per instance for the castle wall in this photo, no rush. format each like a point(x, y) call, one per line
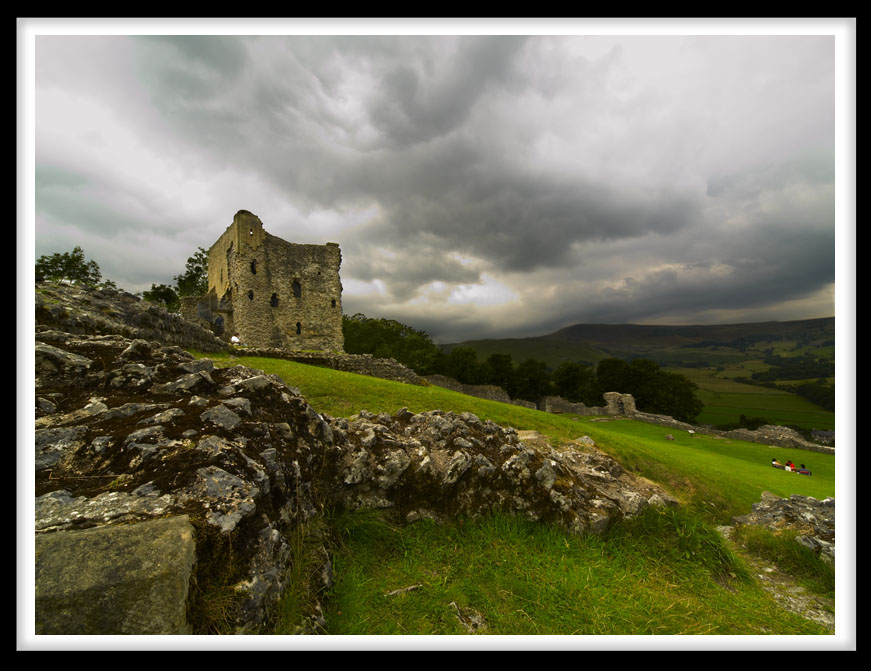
point(273, 293)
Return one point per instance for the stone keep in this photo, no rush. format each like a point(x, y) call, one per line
point(270, 292)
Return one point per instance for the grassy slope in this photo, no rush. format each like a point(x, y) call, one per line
point(663, 575)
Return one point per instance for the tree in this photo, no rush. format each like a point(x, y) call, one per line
point(533, 380)
point(574, 382)
point(612, 375)
point(195, 280)
point(655, 390)
point(163, 295)
point(69, 267)
point(498, 369)
point(462, 365)
point(387, 338)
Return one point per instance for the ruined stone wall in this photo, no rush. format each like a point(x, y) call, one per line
point(558, 405)
point(486, 391)
point(270, 292)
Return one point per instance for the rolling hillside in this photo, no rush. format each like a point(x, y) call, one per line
point(592, 342)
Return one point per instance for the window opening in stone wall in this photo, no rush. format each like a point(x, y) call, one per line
point(297, 289)
point(254, 267)
point(298, 328)
point(333, 303)
point(274, 300)
point(250, 295)
point(250, 231)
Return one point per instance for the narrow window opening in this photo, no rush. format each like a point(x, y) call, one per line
point(333, 303)
point(254, 267)
point(250, 231)
point(297, 289)
point(298, 328)
point(250, 295)
point(274, 300)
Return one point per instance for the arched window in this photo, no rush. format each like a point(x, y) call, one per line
point(297, 289)
point(274, 300)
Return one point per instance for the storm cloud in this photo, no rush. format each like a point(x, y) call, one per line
point(479, 185)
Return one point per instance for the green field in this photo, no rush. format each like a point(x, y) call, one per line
point(726, 400)
point(668, 572)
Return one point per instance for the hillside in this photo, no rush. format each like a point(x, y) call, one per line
point(592, 342)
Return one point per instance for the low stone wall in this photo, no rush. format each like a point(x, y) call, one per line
point(558, 405)
point(768, 434)
point(363, 364)
point(490, 392)
point(615, 404)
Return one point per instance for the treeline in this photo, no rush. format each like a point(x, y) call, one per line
point(655, 390)
point(795, 368)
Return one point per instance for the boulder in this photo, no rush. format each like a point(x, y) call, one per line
point(126, 579)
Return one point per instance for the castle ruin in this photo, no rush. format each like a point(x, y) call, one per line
point(269, 292)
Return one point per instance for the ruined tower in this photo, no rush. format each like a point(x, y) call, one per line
point(270, 292)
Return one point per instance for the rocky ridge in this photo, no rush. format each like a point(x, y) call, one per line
point(86, 311)
point(130, 430)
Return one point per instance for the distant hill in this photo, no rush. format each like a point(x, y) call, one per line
point(592, 342)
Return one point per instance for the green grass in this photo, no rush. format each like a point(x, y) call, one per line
point(661, 574)
point(666, 573)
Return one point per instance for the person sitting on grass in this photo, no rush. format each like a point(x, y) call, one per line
point(803, 470)
point(776, 463)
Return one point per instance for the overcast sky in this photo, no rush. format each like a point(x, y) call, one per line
point(478, 185)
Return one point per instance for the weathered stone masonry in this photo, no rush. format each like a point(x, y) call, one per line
point(270, 292)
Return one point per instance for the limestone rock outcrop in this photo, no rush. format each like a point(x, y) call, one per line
point(814, 520)
point(136, 439)
point(82, 310)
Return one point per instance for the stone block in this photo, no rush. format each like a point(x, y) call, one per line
point(118, 579)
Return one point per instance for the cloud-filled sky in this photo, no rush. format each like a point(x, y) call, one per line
point(480, 185)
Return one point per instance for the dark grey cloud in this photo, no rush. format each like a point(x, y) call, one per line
point(433, 95)
point(475, 183)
